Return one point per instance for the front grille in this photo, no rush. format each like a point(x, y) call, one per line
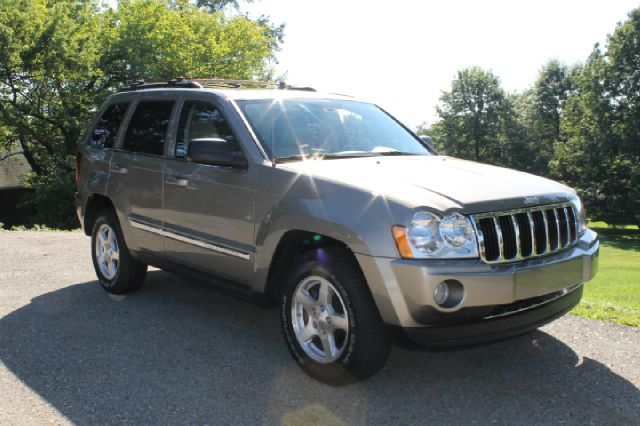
point(525, 233)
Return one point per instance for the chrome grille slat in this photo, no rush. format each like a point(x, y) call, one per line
point(548, 226)
point(496, 223)
point(480, 235)
point(568, 224)
point(516, 227)
point(574, 227)
point(534, 250)
point(559, 238)
point(546, 231)
point(563, 227)
point(554, 229)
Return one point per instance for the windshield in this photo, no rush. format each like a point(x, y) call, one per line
point(298, 129)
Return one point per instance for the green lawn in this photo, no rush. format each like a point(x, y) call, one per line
point(614, 293)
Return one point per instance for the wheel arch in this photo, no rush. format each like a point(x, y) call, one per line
point(95, 203)
point(292, 244)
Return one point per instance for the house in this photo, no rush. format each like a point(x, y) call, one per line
point(13, 168)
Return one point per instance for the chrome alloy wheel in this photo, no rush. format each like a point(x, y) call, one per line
point(107, 252)
point(320, 319)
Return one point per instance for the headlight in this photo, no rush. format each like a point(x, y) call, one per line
point(424, 233)
point(581, 215)
point(429, 236)
point(456, 230)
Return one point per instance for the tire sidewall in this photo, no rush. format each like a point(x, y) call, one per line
point(324, 372)
point(106, 219)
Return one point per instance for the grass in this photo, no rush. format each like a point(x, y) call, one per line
point(614, 293)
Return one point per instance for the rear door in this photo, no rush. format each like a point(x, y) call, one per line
point(98, 145)
point(136, 174)
point(208, 210)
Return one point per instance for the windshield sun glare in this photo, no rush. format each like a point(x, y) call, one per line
point(299, 129)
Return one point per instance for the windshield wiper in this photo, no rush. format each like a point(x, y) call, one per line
point(353, 155)
point(299, 157)
point(296, 157)
point(392, 153)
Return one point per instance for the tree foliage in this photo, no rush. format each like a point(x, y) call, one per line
point(218, 5)
point(59, 59)
point(601, 151)
point(472, 116)
point(541, 111)
point(580, 124)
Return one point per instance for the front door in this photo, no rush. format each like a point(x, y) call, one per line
point(208, 210)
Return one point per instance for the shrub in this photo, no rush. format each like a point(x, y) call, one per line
point(52, 199)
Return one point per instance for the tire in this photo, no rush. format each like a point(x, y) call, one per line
point(325, 292)
point(117, 271)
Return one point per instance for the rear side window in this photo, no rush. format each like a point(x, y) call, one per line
point(106, 130)
point(147, 130)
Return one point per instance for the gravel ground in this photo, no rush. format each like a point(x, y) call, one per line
point(181, 352)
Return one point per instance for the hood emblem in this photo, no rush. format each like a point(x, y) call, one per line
point(531, 200)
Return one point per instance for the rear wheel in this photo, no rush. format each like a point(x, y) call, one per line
point(329, 319)
point(117, 271)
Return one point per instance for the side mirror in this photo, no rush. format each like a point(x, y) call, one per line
point(429, 142)
point(215, 152)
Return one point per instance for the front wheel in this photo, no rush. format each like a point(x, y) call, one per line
point(329, 319)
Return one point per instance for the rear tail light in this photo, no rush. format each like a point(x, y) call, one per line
point(78, 162)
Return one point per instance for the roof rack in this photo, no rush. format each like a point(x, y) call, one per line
point(180, 83)
point(202, 83)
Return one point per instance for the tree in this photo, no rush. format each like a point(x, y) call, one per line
point(59, 59)
point(540, 111)
point(473, 115)
point(218, 5)
point(601, 154)
point(424, 129)
point(577, 124)
point(549, 95)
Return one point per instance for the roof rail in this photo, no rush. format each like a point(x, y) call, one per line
point(180, 82)
point(200, 83)
point(221, 82)
point(235, 84)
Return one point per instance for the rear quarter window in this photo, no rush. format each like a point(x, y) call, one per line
point(106, 129)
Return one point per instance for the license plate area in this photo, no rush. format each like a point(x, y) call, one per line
point(547, 279)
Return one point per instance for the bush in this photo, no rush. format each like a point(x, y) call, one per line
point(52, 200)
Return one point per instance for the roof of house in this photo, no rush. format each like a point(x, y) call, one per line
point(12, 170)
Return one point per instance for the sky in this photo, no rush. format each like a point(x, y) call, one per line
point(402, 54)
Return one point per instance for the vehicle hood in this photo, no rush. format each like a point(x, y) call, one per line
point(439, 182)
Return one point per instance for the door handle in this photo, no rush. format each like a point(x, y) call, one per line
point(177, 181)
point(118, 169)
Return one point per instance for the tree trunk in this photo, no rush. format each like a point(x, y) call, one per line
point(28, 154)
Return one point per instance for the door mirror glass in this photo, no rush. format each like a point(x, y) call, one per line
point(215, 152)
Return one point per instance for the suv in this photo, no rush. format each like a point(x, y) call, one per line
point(332, 209)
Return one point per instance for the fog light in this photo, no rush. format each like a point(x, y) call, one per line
point(448, 294)
point(441, 293)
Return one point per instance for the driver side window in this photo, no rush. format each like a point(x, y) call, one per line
point(201, 121)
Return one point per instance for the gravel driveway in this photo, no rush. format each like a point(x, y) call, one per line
point(181, 352)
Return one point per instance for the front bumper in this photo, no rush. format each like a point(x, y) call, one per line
point(494, 328)
point(403, 289)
